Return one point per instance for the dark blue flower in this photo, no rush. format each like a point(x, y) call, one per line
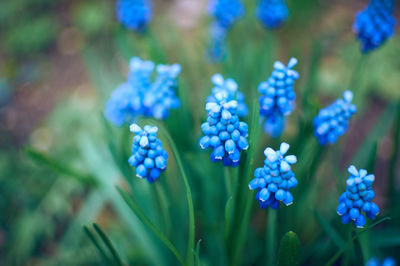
point(139, 95)
point(274, 180)
point(332, 121)
point(358, 198)
point(277, 96)
point(388, 261)
point(272, 13)
point(148, 155)
point(134, 14)
point(374, 24)
point(229, 88)
point(225, 12)
point(223, 131)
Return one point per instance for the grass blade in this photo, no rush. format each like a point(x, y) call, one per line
point(197, 254)
point(139, 213)
point(331, 232)
point(227, 226)
point(343, 249)
point(97, 245)
point(394, 156)
point(358, 254)
point(109, 245)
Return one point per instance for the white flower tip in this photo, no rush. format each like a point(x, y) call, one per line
point(284, 147)
point(348, 96)
point(292, 62)
point(217, 79)
point(134, 128)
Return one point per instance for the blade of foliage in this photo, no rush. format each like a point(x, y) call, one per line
point(394, 156)
point(358, 254)
point(331, 232)
point(344, 248)
point(59, 167)
point(164, 132)
point(139, 213)
point(97, 245)
point(372, 157)
point(227, 227)
point(197, 254)
point(289, 250)
point(271, 236)
point(108, 244)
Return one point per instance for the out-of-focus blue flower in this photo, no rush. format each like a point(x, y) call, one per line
point(139, 95)
point(148, 155)
point(277, 96)
point(374, 24)
point(217, 49)
point(223, 131)
point(134, 14)
point(274, 180)
point(388, 261)
point(332, 121)
point(272, 13)
point(358, 198)
point(229, 88)
point(225, 12)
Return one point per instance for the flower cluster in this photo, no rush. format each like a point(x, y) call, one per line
point(225, 13)
point(272, 13)
point(388, 261)
point(374, 24)
point(332, 121)
point(148, 155)
point(274, 180)
point(229, 88)
point(357, 198)
point(134, 14)
point(223, 131)
point(277, 96)
point(139, 95)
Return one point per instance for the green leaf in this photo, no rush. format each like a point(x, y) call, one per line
point(197, 254)
point(289, 250)
point(333, 235)
point(97, 245)
point(343, 249)
point(372, 157)
point(59, 167)
point(227, 228)
point(109, 245)
point(394, 157)
point(140, 214)
point(358, 254)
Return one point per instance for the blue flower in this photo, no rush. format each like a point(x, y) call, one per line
point(134, 14)
point(332, 121)
point(388, 261)
point(225, 12)
point(229, 88)
point(148, 155)
point(358, 198)
point(223, 131)
point(139, 95)
point(217, 49)
point(374, 24)
point(277, 96)
point(274, 180)
point(272, 13)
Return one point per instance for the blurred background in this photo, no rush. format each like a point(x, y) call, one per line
point(60, 60)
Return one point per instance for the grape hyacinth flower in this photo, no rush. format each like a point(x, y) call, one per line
point(332, 121)
point(277, 96)
point(272, 13)
point(374, 24)
point(388, 261)
point(274, 180)
point(148, 155)
point(358, 198)
point(230, 88)
point(134, 14)
point(139, 95)
point(225, 14)
point(223, 131)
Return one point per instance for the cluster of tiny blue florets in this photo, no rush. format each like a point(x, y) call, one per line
point(272, 13)
point(139, 95)
point(148, 155)
point(274, 180)
point(388, 261)
point(332, 121)
point(357, 198)
point(134, 14)
point(277, 96)
point(223, 131)
point(375, 24)
point(229, 88)
point(225, 14)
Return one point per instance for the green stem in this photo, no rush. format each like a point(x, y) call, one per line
point(164, 205)
point(271, 237)
point(394, 157)
point(358, 73)
point(228, 181)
